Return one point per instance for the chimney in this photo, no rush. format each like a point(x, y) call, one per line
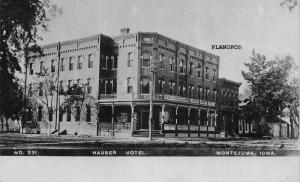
point(124, 31)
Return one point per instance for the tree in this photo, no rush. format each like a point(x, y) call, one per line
point(76, 99)
point(20, 22)
point(272, 87)
point(290, 4)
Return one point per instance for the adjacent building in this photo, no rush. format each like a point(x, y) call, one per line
point(134, 78)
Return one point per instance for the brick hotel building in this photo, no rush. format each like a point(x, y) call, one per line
point(128, 72)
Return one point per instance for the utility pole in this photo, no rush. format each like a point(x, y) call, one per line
point(25, 88)
point(152, 82)
point(57, 91)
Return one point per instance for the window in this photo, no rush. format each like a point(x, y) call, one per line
point(108, 86)
point(41, 66)
point(41, 89)
point(181, 90)
point(77, 116)
point(171, 85)
point(145, 88)
point(88, 113)
point(214, 95)
point(181, 67)
point(116, 61)
point(146, 60)
point(79, 63)
point(31, 68)
point(50, 114)
point(61, 86)
point(199, 71)
point(61, 114)
point(214, 76)
point(129, 85)
point(52, 65)
point(110, 60)
point(89, 87)
point(62, 64)
point(114, 85)
point(161, 61)
point(191, 69)
point(206, 72)
point(30, 90)
point(191, 88)
point(68, 113)
point(172, 66)
point(69, 84)
point(40, 113)
point(161, 84)
point(71, 63)
point(206, 93)
point(240, 126)
point(52, 87)
point(103, 64)
point(90, 60)
point(199, 91)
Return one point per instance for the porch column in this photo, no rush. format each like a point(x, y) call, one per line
point(199, 121)
point(176, 121)
point(216, 115)
point(162, 117)
point(132, 118)
point(112, 119)
point(189, 120)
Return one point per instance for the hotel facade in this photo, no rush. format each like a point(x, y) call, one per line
point(134, 78)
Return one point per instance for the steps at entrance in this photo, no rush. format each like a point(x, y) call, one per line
point(145, 133)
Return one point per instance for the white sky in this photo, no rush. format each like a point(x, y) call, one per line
point(260, 24)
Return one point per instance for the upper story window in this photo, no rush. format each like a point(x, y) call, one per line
point(181, 67)
point(79, 62)
point(31, 69)
point(89, 86)
point(62, 64)
point(52, 65)
point(199, 71)
point(161, 60)
point(90, 60)
point(214, 75)
point(71, 63)
point(161, 84)
point(61, 87)
point(191, 89)
point(172, 86)
point(30, 90)
point(199, 91)
point(116, 61)
point(52, 88)
point(145, 85)
point(88, 113)
point(69, 83)
point(172, 64)
point(41, 66)
point(206, 72)
point(214, 96)
point(146, 60)
point(191, 68)
point(40, 89)
point(206, 93)
point(129, 85)
point(130, 59)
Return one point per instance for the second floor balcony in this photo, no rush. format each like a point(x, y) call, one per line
point(156, 97)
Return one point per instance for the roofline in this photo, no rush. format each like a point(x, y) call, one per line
point(230, 81)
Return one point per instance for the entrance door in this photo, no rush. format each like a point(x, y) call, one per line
point(144, 119)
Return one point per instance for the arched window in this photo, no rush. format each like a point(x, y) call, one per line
point(146, 59)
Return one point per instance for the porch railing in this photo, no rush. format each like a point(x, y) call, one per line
point(189, 129)
point(157, 97)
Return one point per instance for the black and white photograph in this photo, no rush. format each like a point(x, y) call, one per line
point(134, 81)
